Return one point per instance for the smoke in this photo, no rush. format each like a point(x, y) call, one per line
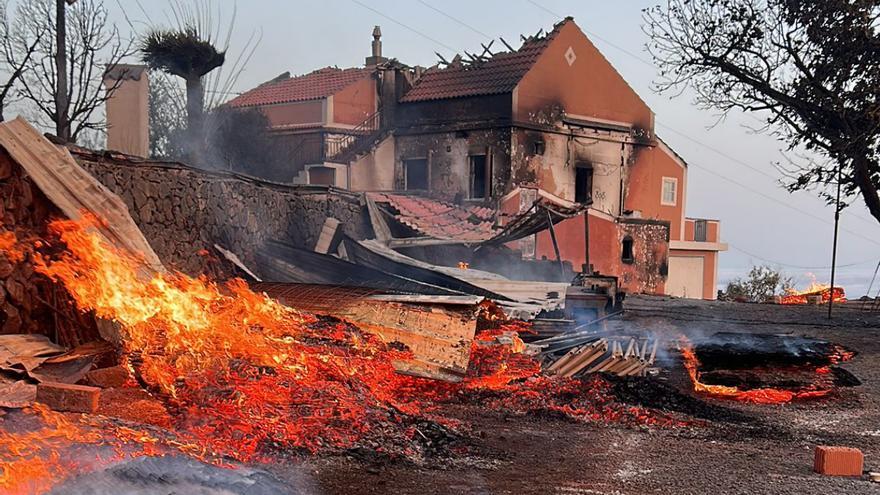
point(179, 474)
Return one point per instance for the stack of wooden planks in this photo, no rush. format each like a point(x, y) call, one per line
point(606, 355)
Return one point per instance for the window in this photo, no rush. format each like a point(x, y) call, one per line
point(669, 194)
point(626, 250)
point(583, 183)
point(416, 174)
point(479, 177)
point(322, 176)
point(700, 230)
point(540, 147)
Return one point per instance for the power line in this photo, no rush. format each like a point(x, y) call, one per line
point(781, 203)
point(797, 266)
point(600, 38)
point(459, 21)
point(705, 169)
point(395, 21)
point(742, 163)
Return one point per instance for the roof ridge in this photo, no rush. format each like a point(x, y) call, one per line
point(497, 74)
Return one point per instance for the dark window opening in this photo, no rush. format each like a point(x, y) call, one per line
point(700, 230)
point(583, 184)
point(324, 176)
point(626, 251)
point(539, 147)
point(479, 177)
point(416, 174)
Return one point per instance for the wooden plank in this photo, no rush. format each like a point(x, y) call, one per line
point(73, 190)
point(380, 226)
point(597, 348)
point(328, 234)
point(584, 363)
point(438, 334)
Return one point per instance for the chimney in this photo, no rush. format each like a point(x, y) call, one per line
point(128, 109)
point(376, 58)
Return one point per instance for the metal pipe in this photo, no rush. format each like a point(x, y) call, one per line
point(555, 246)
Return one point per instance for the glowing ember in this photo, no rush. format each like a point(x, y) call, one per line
point(244, 376)
point(824, 291)
point(10, 247)
point(243, 371)
point(757, 395)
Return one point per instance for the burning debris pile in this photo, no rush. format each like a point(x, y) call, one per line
point(244, 377)
point(814, 294)
point(765, 369)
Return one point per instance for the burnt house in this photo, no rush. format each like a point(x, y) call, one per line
point(496, 129)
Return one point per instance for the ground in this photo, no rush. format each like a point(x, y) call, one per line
point(761, 450)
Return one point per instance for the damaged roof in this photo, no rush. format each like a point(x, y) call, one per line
point(474, 224)
point(496, 75)
point(439, 219)
point(312, 86)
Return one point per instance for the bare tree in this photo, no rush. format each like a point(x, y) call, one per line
point(93, 44)
point(17, 51)
point(813, 68)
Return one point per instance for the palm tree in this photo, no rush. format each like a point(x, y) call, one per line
point(185, 54)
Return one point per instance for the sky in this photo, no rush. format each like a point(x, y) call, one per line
point(731, 176)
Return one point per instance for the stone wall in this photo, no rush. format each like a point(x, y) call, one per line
point(183, 211)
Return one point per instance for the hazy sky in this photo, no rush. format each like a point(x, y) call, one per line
point(731, 176)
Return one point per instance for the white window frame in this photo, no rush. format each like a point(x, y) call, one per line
point(674, 182)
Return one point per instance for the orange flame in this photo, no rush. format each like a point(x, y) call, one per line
point(244, 374)
point(10, 247)
point(793, 296)
point(244, 370)
point(755, 396)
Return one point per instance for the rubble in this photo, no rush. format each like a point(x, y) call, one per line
point(67, 397)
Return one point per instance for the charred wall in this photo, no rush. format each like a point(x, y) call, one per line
point(647, 272)
point(461, 112)
point(183, 210)
point(549, 158)
point(448, 155)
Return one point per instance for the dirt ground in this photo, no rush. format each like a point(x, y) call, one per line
point(761, 450)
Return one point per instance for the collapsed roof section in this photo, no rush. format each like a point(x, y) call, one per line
point(497, 74)
point(437, 222)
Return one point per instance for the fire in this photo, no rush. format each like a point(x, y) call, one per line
point(242, 371)
point(825, 291)
point(755, 396)
point(10, 247)
point(244, 377)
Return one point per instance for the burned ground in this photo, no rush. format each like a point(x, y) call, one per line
point(737, 448)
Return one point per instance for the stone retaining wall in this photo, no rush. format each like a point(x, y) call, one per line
point(182, 210)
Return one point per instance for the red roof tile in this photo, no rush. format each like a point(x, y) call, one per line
point(312, 86)
point(439, 219)
point(497, 75)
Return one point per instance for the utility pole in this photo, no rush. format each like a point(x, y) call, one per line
point(62, 117)
point(834, 248)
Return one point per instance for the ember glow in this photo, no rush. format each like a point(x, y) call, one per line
point(244, 377)
point(825, 291)
point(242, 371)
point(756, 395)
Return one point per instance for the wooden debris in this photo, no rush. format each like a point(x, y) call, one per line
point(330, 236)
point(67, 397)
point(600, 355)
